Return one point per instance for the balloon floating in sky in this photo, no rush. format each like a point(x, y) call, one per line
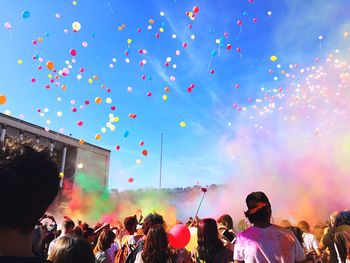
point(145, 152)
point(182, 124)
point(25, 14)
point(273, 58)
point(20, 62)
point(73, 52)
point(3, 99)
point(195, 9)
point(7, 25)
point(50, 65)
point(76, 26)
point(130, 180)
point(126, 134)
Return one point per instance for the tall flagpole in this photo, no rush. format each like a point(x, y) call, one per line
point(161, 161)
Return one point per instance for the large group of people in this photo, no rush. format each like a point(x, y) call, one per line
point(30, 182)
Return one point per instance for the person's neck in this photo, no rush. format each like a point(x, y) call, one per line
point(15, 243)
point(262, 224)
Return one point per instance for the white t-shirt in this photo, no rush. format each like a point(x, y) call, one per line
point(310, 242)
point(268, 245)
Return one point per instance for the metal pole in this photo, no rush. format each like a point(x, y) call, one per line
point(63, 162)
point(3, 133)
point(161, 161)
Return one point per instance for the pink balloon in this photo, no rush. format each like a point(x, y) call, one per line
point(179, 236)
point(8, 25)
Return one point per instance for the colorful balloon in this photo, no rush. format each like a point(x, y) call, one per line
point(179, 236)
point(192, 245)
point(7, 25)
point(145, 152)
point(195, 9)
point(25, 14)
point(126, 134)
point(3, 99)
point(73, 52)
point(76, 26)
point(182, 124)
point(50, 65)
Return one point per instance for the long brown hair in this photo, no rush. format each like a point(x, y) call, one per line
point(156, 245)
point(70, 249)
point(105, 240)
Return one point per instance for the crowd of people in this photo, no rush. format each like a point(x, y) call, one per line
point(30, 182)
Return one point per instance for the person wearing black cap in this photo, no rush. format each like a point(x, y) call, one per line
point(265, 242)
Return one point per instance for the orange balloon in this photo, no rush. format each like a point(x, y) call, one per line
point(145, 152)
point(81, 142)
point(2, 99)
point(98, 100)
point(95, 77)
point(50, 65)
point(64, 87)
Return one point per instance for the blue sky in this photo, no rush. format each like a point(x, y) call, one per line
point(191, 154)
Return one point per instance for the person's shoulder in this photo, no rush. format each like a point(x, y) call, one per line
point(281, 230)
point(7, 259)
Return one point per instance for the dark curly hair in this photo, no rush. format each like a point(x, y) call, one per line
point(29, 183)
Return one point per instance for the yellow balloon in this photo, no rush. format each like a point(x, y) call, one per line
point(90, 81)
point(74, 2)
point(273, 58)
point(165, 97)
point(116, 119)
point(182, 124)
point(129, 41)
point(20, 62)
point(161, 29)
point(98, 136)
point(192, 245)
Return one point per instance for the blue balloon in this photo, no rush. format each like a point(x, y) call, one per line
point(162, 24)
point(25, 14)
point(245, 13)
point(222, 39)
point(126, 134)
point(214, 53)
point(149, 77)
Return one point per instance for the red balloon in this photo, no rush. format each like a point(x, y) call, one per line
point(73, 52)
point(239, 22)
point(179, 236)
point(117, 147)
point(145, 152)
point(142, 143)
point(130, 180)
point(80, 123)
point(195, 9)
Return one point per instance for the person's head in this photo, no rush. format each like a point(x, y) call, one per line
point(67, 227)
point(70, 249)
point(150, 220)
point(29, 183)
point(104, 241)
point(285, 223)
point(259, 208)
point(156, 245)
point(343, 218)
point(78, 232)
point(226, 221)
point(342, 240)
point(208, 239)
point(304, 226)
point(297, 232)
point(88, 235)
point(130, 224)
